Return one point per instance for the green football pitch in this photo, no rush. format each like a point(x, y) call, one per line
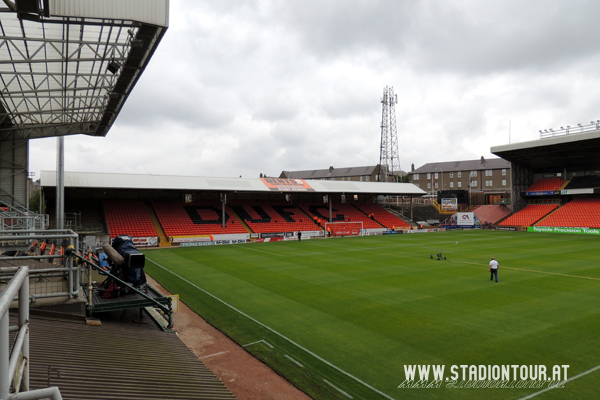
point(346, 318)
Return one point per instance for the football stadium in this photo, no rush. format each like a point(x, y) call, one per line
point(339, 287)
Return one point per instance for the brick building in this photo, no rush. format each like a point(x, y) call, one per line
point(485, 181)
point(358, 174)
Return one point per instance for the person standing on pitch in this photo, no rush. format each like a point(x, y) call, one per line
point(494, 269)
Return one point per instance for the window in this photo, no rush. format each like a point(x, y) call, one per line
point(376, 178)
point(459, 184)
point(451, 185)
point(188, 198)
point(361, 178)
point(451, 174)
point(473, 174)
point(473, 184)
point(415, 177)
point(488, 183)
point(503, 182)
point(428, 175)
point(428, 185)
point(488, 172)
point(417, 185)
point(504, 172)
point(436, 175)
point(367, 178)
point(437, 185)
point(459, 174)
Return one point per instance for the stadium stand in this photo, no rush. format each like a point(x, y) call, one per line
point(272, 216)
point(341, 213)
point(198, 218)
point(381, 215)
point(584, 182)
point(582, 213)
point(529, 215)
point(128, 217)
point(546, 184)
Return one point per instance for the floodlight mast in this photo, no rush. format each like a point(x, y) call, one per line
point(389, 158)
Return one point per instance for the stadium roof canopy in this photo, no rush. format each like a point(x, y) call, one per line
point(577, 151)
point(91, 180)
point(67, 66)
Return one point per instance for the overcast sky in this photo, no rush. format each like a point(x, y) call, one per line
point(241, 87)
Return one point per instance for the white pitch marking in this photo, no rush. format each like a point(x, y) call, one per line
point(316, 253)
point(259, 341)
point(215, 354)
point(589, 371)
point(260, 251)
point(278, 334)
point(294, 361)
point(337, 388)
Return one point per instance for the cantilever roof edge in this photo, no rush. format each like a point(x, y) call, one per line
point(174, 182)
point(558, 140)
point(68, 66)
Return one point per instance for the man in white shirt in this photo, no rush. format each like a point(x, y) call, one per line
point(494, 269)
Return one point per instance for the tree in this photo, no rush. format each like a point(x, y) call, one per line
point(35, 202)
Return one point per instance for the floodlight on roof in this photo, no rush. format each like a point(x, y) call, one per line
point(562, 127)
point(113, 67)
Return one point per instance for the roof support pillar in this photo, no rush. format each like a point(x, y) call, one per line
point(60, 182)
point(223, 202)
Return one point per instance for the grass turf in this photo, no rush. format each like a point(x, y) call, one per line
point(343, 317)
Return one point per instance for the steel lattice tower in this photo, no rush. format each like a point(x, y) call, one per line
point(389, 158)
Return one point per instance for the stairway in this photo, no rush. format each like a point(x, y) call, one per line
point(162, 238)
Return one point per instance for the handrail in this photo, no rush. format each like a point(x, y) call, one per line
point(14, 366)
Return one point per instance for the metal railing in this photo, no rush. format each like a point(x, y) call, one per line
point(15, 219)
point(570, 130)
point(14, 365)
point(61, 279)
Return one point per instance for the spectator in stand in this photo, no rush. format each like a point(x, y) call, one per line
point(299, 236)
